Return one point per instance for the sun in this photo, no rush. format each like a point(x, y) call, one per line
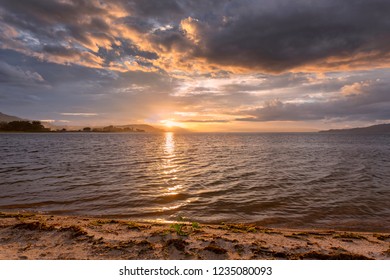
point(169, 123)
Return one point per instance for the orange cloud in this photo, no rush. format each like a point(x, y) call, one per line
point(355, 88)
point(187, 40)
point(191, 28)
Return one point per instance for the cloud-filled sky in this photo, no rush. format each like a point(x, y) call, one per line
point(227, 65)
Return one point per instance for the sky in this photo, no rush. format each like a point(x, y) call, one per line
point(227, 65)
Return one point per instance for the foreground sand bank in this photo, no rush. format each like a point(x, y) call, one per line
point(34, 236)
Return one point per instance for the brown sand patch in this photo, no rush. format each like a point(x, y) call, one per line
point(34, 236)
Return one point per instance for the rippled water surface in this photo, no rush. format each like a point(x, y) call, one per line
point(280, 180)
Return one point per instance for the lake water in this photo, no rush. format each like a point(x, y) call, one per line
point(276, 180)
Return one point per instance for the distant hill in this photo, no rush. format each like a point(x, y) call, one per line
point(374, 129)
point(145, 127)
point(177, 129)
point(8, 118)
point(133, 127)
point(110, 128)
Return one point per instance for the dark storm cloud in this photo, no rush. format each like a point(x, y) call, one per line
point(47, 19)
point(125, 49)
point(142, 25)
point(281, 35)
point(154, 8)
point(59, 51)
point(48, 11)
point(169, 40)
point(270, 36)
point(175, 10)
point(57, 31)
point(275, 36)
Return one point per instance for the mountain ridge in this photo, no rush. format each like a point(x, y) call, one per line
point(136, 127)
point(9, 118)
point(373, 129)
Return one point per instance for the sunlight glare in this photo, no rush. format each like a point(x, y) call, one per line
point(169, 123)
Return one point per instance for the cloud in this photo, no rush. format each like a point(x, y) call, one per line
point(255, 61)
point(355, 88)
point(58, 31)
point(273, 36)
point(370, 105)
point(201, 36)
point(291, 35)
point(191, 28)
point(204, 121)
point(17, 76)
point(123, 50)
point(124, 97)
point(79, 114)
point(155, 8)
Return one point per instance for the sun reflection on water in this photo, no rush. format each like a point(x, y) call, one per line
point(170, 168)
point(173, 189)
point(169, 147)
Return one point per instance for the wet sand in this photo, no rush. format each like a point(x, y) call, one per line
point(38, 237)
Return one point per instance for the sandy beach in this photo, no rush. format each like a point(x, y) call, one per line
point(35, 236)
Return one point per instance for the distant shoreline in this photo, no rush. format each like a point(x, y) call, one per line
point(374, 129)
point(37, 236)
point(76, 131)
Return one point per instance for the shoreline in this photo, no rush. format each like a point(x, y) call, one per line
point(33, 236)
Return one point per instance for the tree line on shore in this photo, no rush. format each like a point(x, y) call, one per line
point(37, 126)
point(24, 126)
point(112, 128)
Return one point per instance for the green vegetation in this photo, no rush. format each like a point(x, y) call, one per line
point(195, 225)
point(239, 227)
point(185, 228)
point(23, 126)
point(179, 229)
